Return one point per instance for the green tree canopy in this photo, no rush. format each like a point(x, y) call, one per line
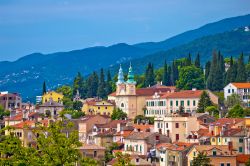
point(233, 100)
point(204, 102)
point(236, 112)
point(118, 114)
point(201, 160)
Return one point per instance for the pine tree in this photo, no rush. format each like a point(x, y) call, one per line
point(149, 75)
point(165, 74)
point(207, 69)
point(44, 88)
point(241, 70)
point(92, 84)
point(78, 84)
point(109, 83)
point(189, 60)
point(101, 92)
point(174, 73)
point(204, 102)
point(197, 61)
point(231, 72)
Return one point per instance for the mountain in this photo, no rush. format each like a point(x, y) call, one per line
point(27, 74)
point(224, 25)
point(231, 43)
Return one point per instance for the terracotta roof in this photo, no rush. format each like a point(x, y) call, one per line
point(17, 117)
point(223, 148)
point(184, 94)
point(227, 121)
point(112, 124)
point(143, 127)
point(24, 124)
point(232, 132)
point(91, 146)
point(151, 90)
point(242, 158)
point(123, 133)
point(241, 84)
point(139, 135)
point(176, 146)
point(33, 113)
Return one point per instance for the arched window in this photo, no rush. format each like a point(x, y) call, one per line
point(122, 104)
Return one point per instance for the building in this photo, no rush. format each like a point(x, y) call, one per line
point(167, 103)
point(93, 151)
point(51, 108)
point(10, 101)
point(241, 89)
point(95, 106)
point(134, 160)
point(39, 99)
point(140, 143)
point(173, 153)
point(219, 155)
point(132, 100)
point(52, 95)
point(177, 127)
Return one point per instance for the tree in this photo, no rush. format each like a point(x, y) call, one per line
point(44, 88)
point(86, 161)
point(92, 84)
point(188, 60)
point(204, 102)
point(149, 75)
point(174, 73)
point(78, 84)
point(207, 69)
point(108, 153)
point(118, 114)
point(66, 91)
point(143, 119)
point(3, 112)
point(101, 92)
point(122, 159)
point(236, 112)
point(109, 84)
point(233, 100)
point(197, 62)
point(213, 111)
point(241, 71)
point(190, 77)
point(201, 160)
point(77, 105)
point(231, 72)
point(166, 75)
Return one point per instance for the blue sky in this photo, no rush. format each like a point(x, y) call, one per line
point(46, 26)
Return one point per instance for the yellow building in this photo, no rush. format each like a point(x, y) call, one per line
point(56, 97)
point(94, 107)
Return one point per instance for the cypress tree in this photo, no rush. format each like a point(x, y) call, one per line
point(169, 76)
point(92, 84)
point(249, 59)
point(231, 72)
point(149, 75)
point(207, 69)
point(44, 88)
point(197, 61)
point(241, 70)
point(165, 74)
point(212, 73)
point(174, 73)
point(109, 83)
point(78, 84)
point(101, 91)
point(189, 60)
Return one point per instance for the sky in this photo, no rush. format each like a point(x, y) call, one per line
point(47, 26)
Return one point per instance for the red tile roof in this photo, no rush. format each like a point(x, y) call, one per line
point(241, 84)
point(24, 124)
point(227, 121)
point(17, 117)
point(184, 94)
point(143, 127)
point(112, 124)
point(176, 146)
point(242, 158)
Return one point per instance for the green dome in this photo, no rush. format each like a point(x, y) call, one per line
point(131, 76)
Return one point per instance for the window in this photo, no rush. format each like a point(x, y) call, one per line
point(204, 120)
point(232, 90)
point(177, 137)
point(176, 103)
point(140, 148)
point(222, 164)
point(122, 104)
point(98, 108)
point(166, 125)
point(171, 103)
point(176, 125)
point(162, 160)
point(106, 107)
point(228, 164)
point(194, 103)
point(240, 140)
point(214, 153)
point(182, 103)
point(194, 154)
point(218, 139)
point(158, 125)
point(188, 103)
point(228, 90)
point(240, 149)
point(95, 153)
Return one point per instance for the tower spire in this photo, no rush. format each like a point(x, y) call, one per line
point(120, 76)
point(131, 75)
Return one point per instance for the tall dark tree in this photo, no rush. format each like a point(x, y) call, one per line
point(166, 75)
point(231, 72)
point(44, 88)
point(174, 73)
point(92, 84)
point(248, 58)
point(149, 75)
point(108, 83)
point(189, 60)
point(197, 62)
point(78, 84)
point(207, 69)
point(241, 70)
point(101, 92)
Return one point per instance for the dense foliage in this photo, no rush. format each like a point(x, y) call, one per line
point(201, 160)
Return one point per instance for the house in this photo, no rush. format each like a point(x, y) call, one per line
point(95, 106)
point(131, 100)
point(10, 101)
point(219, 155)
point(51, 108)
point(86, 123)
point(201, 136)
point(173, 153)
point(177, 126)
point(163, 104)
point(134, 160)
point(52, 95)
point(93, 151)
point(226, 131)
point(140, 143)
point(240, 88)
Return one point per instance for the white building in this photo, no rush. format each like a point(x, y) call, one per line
point(242, 89)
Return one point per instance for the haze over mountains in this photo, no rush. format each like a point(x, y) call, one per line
point(26, 74)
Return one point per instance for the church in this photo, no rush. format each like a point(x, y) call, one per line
point(132, 100)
